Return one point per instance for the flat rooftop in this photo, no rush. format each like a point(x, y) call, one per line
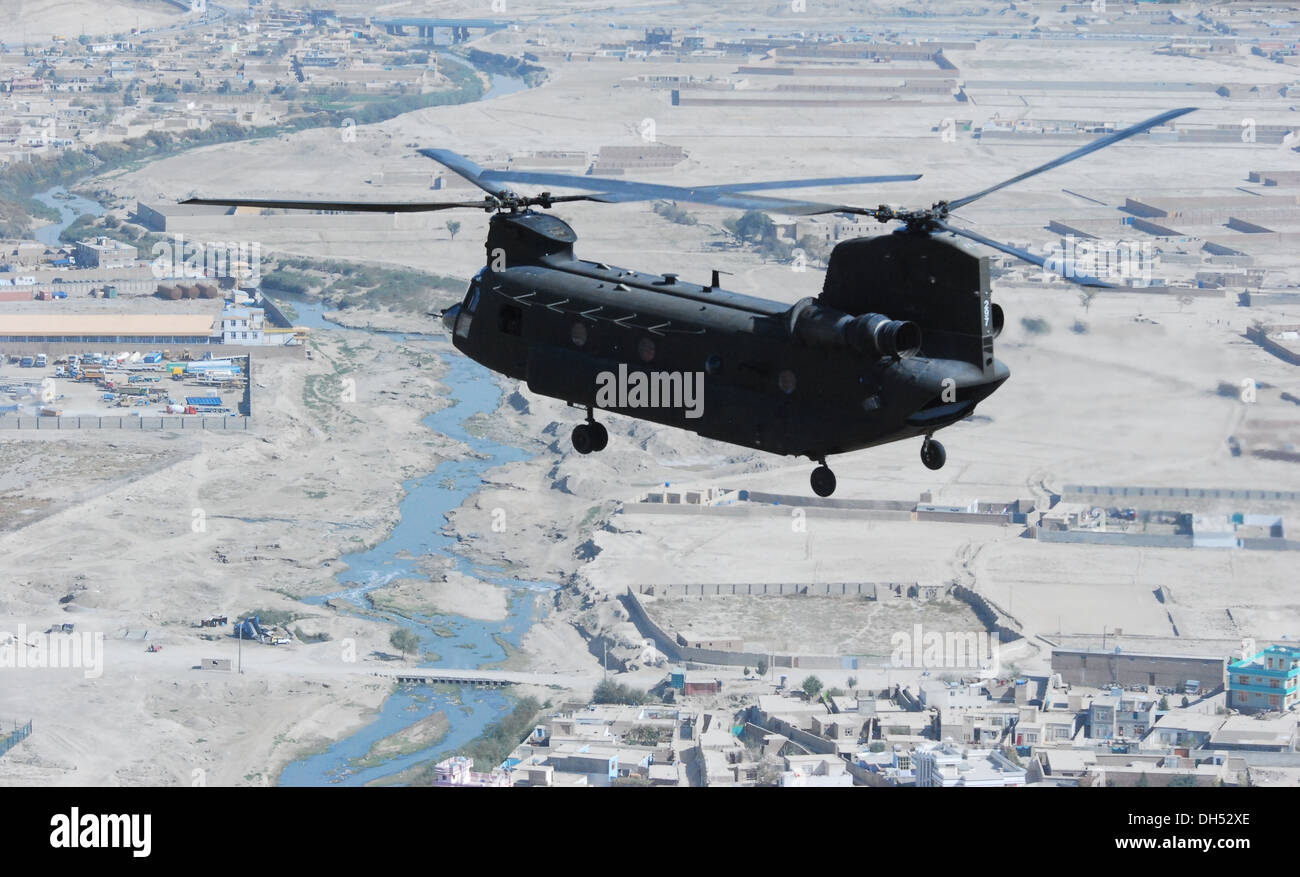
point(108, 325)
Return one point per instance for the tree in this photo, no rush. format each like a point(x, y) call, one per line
point(853, 682)
point(1163, 705)
point(404, 640)
point(753, 225)
point(1086, 296)
point(811, 686)
point(453, 226)
point(762, 667)
point(612, 692)
point(1142, 781)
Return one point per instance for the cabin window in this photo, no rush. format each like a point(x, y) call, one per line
point(511, 320)
point(786, 381)
point(578, 334)
point(645, 348)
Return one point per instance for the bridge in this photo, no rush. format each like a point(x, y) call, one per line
point(459, 27)
point(480, 678)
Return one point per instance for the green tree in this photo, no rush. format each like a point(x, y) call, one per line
point(613, 692)
point(762, 667)
point(853, 682)
point(811, 686)
point(1142, 781)
point(404, 640)
point(453, 226)
point(753, 225)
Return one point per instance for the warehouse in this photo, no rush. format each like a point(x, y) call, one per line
point(114, 328)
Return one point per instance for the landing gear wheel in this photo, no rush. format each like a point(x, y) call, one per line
point(933, 454)
point(823, 481)
point(583, 440)
point(599, 436)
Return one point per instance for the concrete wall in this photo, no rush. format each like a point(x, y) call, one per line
point(237, 423)
point(1131, 540)
point(1097, 494)
point(679, 653)
point(822, 589)
point(752, 511)
point(992, 618)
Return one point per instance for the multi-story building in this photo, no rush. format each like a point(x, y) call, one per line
point(1266, 681)
point(1122, 715)
point(105, 253)
point(243, 325)
point(951, 765)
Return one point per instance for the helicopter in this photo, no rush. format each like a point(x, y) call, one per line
point(898, 345)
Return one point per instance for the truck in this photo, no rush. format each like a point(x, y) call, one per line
point(27, 362)
point(41, 360)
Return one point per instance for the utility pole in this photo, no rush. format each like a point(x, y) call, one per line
point(240, 647)
point(605, 678)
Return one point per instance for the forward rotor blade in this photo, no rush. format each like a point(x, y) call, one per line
point(351, 206)
point(1077, 153)
point(621, 191)
point(466, 168)
point(725, 195)
point(1027, 256)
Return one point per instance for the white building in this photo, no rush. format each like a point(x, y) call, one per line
point(948, 764)
point(243, 325)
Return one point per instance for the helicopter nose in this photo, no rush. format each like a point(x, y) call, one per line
point(449, 317)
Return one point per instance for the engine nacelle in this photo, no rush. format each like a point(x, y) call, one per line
point(870, 334)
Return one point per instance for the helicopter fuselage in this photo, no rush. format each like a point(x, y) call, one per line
point(807, 379)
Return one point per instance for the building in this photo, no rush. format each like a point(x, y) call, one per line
point(243, 325)
point(951, 765)
point(815, 771)
point(150, 329)
point(1265, 681)
point(458, 771)
point(1099, 667)
point(105, 253)
point(1256, 734)
point(1121, 715)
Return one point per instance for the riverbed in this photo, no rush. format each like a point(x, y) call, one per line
point(453, 641)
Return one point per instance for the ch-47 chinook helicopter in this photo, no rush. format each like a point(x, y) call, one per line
point(899, 343)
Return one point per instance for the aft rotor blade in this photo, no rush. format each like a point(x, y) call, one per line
point(350, 206)
point(466, 168)
point(1027, 256)
point(1077, 153)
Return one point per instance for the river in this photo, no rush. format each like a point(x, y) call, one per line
point(458, 642)
point(455, 641)
point(69, 206)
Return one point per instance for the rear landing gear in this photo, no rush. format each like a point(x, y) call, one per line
point(590, 437)
point(823, 480)
point(932, 454)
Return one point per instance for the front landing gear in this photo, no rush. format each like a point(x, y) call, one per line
point(590, 437)
point(933, 454)
point(823, 480)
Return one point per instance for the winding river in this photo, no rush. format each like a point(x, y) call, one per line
point(445, 641)
point(456, 641)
